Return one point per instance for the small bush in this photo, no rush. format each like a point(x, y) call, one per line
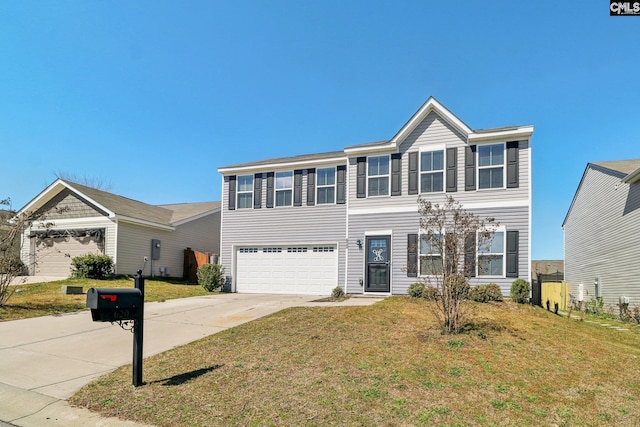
point(92, 266)
point(211, 276)
point(416, 290)
point(12, 265)
point(485, 293)
point(337, 293)
point(430, 293)
point(520, 291)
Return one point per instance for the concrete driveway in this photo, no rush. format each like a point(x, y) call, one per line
point(44, 360)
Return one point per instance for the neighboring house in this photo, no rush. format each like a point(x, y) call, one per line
point(601, 232)
point(307, 224)
point(86, 220)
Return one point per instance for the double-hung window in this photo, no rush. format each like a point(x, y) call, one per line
point(284, 188)
point(378, 176)
point(431, 250)
point(431, 171)
point(491, 254)
point(326, 185)
point(491, 166)
point(245, 192)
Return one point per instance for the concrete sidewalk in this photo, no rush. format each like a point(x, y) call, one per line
point(46, 359)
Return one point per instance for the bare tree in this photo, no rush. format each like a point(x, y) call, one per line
point(12, 224)
point(449, 237)
point(93, 182)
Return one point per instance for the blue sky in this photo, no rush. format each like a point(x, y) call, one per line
point(152, 97)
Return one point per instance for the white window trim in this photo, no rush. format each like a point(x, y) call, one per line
point(388, 175)
point(432, 148)
point(276, 189)
point(334, 185)
point(504, 166)
point(420, 234)
point(493, 229)
point(238, 192)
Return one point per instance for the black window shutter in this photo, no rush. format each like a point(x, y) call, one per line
point(270, 177)
point(470, 255)
point(470, 168)
point(412, 255)
point(361, 177)
point(396, 174)
point(257, 191)
point(512, 164)
point(311, 187)
point(297, 187)
point(413, 173)
point(341, 185)
point(452, 169)
point(512, 253)
point(232, 192)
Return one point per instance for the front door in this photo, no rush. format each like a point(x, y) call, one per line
point(378, 268)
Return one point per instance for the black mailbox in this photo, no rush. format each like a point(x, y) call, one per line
point(113, 304)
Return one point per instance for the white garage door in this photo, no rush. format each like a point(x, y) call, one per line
point(53, 254)
point(304, 269)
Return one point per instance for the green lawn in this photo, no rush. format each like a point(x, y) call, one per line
point(42, 299)
point(387, 364)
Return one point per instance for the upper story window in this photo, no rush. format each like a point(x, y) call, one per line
point(431, 171)
point(491, 166)
point(284, 188)
point(378, 176)
point(491, 254)
point(431, 255)
point(245, 192)
point(326, 185)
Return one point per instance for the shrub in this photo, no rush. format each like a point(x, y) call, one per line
point(12, 265)
point(91, 266)
point(211, 276)
point(430, 293)
point(520, 291)
point(485, 293)
point(416, 289)
point(337, 292)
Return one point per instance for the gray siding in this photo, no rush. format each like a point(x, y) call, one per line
point(434, 130)
point(67, 204)
point(401, 224)
point(283, 225)
point(134, 243)
point(601, 237)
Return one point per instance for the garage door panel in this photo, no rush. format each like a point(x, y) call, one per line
point(296, 270)
point(53, 255)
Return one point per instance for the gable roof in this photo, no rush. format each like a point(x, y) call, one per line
point(431, 105)
point(627, 170)
point(115, 206)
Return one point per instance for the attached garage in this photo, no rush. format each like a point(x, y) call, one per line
point(53, 250)
point(299, 269)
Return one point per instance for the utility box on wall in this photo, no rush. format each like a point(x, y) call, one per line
point(155, 249)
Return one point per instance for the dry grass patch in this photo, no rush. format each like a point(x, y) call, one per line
point(43, 299)
point(386, 364)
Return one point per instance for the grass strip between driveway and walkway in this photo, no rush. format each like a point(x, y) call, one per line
point(387, 364)
point(43, 299)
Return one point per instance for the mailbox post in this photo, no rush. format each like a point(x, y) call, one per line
point(122, 306)
point(138, 333)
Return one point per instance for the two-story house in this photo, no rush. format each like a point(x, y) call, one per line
point(307, 224)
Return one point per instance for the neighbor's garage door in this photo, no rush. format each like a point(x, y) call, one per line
point(311, 269)
point(53, 254)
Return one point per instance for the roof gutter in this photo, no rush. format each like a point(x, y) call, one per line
point(143, 222)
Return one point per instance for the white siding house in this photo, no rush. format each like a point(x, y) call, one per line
point(76, 220)
point(602, 231)
point(309, 223)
